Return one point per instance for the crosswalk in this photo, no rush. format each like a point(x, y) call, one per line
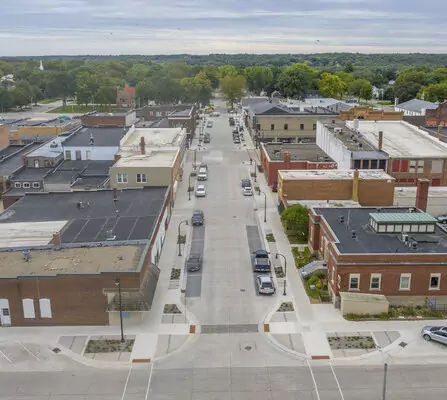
point(138, 382)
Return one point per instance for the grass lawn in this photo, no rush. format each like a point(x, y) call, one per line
point(47, 101)
point(293, 239)
point(385, 103)
point(79, 109)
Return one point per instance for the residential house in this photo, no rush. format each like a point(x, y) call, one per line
point(126, 96)
point(414, 107)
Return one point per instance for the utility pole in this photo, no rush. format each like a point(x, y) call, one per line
point(385, 373)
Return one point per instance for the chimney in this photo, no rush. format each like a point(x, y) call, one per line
point(380, 140)
point(56, 241)
point(355, 185)
point(286, 160)
point(422, 194)
point(142, 146)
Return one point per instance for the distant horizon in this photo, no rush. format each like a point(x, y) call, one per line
point(111, 27)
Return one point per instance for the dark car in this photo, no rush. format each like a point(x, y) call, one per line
point(198, 218)
point(442, 219)
point(246, 183)
point(236, 131)
point(194, 262)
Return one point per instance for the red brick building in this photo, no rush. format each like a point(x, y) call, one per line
point(437, 116)
point(125, 97)
point(96, 118)
point(396, 252)
point(70, 277)
point(303, 156)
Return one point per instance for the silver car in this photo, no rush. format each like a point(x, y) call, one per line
point(200, 191)
point(265, 285)
point(436, 333)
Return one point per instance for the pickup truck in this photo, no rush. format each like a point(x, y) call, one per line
point(261, 261)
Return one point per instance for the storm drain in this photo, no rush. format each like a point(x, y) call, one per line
point(242, 328)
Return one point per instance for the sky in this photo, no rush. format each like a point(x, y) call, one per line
point(72, 27)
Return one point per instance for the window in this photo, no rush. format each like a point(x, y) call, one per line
point(412, 166)
point(141, 178)
point(435, 282)
point(68, 155)
point(422, 228)
point(405, 282)
point(17, 184)
point(301, 127)
point(314, 127)
point(272, 127)
point(121, 178)
point(420, 167)
point(45, 308)
point(390, 228)
point(36, 185)
point(158, 113)
point(46, 164)
point(88, 155)
point(286, 127)
point(354, 281)
point(374, 283)
point(26, 185)
point(28, 308)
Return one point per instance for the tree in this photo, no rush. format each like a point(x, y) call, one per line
point(137, 73)
point(331, 86)
point(349, 68)
point(295, 220)
point(211, 72)
point(5, 99)
point(86, 88)
point(22, 94)
point(366, 91)
point(356, 87)
point(60, 84)
point(178, 70)
point(106, 93)
point(145, 91)
point(167, 90)
point(295, 80)
point(408, 83)
point(258, 78)
point(203, 87)
point(435, 93)
point(232, 88)
point(227, 70)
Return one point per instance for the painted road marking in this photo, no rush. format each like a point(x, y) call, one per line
point(337, 382)
point(149, 381)
point(28, 350)
point(313, 378)
point(127, 382)
point(5, 357)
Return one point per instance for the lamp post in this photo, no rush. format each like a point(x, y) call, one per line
point(285, 270)
point(189, 187)
point(265, 204)
point(385, 373)
point(249, 157)
point(256, 165)
point(195, 159)
point(118, 284)
point(179, 241)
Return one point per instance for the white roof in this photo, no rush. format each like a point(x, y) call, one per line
point(23, 234)
point(150, 159)
point(402, 140)
point(336, 174)
point(153, 137)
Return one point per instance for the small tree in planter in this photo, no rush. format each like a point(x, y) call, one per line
point(295, 221)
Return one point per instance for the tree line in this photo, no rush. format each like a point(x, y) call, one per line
point(96, 81)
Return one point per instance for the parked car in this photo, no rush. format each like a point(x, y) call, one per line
point(247, 191)
point(235, 131)
point(265, 285)
point(198, 218)
point(207, 138)
point(436, 333)
point(209, 124)
point(236, 141)
point(202, 175)
point(194, 262)
point(246, 183)
point(261, 261)
point(442, 219)
point(241, 128)
point(200, 191)
point(203, 165)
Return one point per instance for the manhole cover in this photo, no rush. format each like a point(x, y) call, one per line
point(242, 290)
point(403, 344)
point(248, 348)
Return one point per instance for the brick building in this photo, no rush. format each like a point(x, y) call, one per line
point(368, 114)
point(4, 135)
point(396, 252)
point(275, 157)
point(96, 118)
point(125, 97)
point(437, 117)
point(367, 187)
point(63, 252)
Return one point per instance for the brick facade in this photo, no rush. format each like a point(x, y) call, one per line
point(4, 136)
point(437, 116)
point(371, 115)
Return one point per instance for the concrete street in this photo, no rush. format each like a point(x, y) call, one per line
point(231, 359)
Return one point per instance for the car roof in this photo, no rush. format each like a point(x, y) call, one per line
point(261, 252)
point(198, 212)
point(195, 255)
point(200, 186)
point(263, 278)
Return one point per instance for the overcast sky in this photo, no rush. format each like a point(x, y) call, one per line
point(48, 27)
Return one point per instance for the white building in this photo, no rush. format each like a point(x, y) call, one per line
point(414, 107)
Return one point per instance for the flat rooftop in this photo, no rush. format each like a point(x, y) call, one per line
point(90, 181)
point(102, 136)
point(13, 161)
point(336, 174)
point(369, 241)
point(71, 261)
point(153, 137)
point(51, 149)
point(150, 159)
point(182, 113)
point(31, 174)
point(89, 215)
point(298, 152)
point(403, 140)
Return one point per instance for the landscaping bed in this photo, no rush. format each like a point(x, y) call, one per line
point(270, 237)
point(279, 272)
point(109, 346)
point(181, 239)
point(351, 342)
point(304, 257)
point(399, 313)
point(171, 309)
point(295, 239)
point(286, 306)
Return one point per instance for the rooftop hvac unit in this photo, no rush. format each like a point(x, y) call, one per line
point(404, 237)
point(338, 130)
point(110, 235)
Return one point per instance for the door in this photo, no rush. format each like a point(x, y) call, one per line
point(36, 163)
point(5, 315)
point(78, 155)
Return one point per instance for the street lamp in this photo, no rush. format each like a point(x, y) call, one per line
point(179, 241)
point(195, 159)
point(189, 187)
point(285, 269)
point(249, 156)
point(256, 165)
point(118, 284)
point(265, 204)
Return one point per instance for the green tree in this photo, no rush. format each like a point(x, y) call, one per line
point(178, 70)
point(435, 93)
point(366, 91)
point(167, 90)
point(349, 68)
point(145, 91)
point(211, 72)
point(258, 78)
point(21, 94)
point(295, 80)
point(227, 70)
point(233, 88)
point(295, 220)
point(61, 84)
point(86, 88)
point(408, 83)
point(331, 85)
point(356, 87)
point(203, 87)
point(5, 99)
point(106, 93)
point(137, 73)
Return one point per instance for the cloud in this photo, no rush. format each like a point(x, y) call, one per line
point(46, 27)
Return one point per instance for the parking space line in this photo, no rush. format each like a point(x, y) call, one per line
point(336, 381)
point(313, 378)
point(149, 381)
point(28, 350)
point(127, 382)
point(5, 357)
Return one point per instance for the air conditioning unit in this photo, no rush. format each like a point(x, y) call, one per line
point(338, 130)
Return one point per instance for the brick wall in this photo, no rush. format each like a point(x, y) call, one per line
point(438, 116)
point(321, 189)
point(376, 192)
point(4, 136)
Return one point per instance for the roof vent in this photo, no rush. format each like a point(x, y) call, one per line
point(414, 245)
point(404, 238)
point(379, 209)
point(53, 145)
point(341, 219)
point(353, 234)
point(110, 235)
point(26, 255)
point(92, 139)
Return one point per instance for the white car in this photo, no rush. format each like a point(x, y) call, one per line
point(209, 124)
point(247, 191)
point(200, 191)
